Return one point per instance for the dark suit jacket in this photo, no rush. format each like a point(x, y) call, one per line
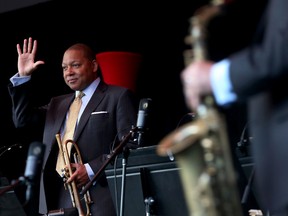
point(94, 136)
point(259, 75)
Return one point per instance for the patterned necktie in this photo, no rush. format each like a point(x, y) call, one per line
point(69, 129)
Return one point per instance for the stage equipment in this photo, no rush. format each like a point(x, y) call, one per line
point(31, 179)
point(153, 184)
point(9, 203)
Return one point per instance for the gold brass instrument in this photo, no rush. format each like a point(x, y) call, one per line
point(72, 187)
point(201, 147)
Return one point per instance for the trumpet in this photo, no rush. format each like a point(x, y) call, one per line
point(72, 187)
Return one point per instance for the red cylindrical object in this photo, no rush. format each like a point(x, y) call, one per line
point(120, 67)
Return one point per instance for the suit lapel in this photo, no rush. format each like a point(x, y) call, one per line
point(49, 137)
point(63, 109)
point(91, 106)
point(61, 114)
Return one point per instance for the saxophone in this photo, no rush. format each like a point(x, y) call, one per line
point(201, 147)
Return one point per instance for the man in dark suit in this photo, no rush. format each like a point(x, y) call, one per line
point(106, 116)
point(257, 75)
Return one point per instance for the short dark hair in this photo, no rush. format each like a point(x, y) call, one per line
point(90, 54)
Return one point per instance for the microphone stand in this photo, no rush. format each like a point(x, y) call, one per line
point(110, 157)
point(123, 183)
point(29, 203)
point(11, 186)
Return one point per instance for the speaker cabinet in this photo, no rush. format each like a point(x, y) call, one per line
point(147, 184)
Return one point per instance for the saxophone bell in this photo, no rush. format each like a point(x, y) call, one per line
point(203, 155)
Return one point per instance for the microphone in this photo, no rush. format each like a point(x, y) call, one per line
point(142, 119)
point(33, 166)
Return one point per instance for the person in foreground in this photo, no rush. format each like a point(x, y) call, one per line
point(106, 116)
point(257, 75)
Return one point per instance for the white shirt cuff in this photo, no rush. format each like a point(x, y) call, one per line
point(89, 171)
point(221, 83)
point(17, 80)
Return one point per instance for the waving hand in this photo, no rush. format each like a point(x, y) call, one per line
point(26, 57)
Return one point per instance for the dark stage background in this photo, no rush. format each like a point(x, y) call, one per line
point(157, 31)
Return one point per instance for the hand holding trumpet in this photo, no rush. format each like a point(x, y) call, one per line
point(79, 175)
